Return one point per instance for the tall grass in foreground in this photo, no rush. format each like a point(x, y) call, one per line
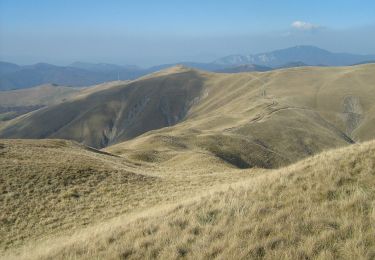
point(319, 208)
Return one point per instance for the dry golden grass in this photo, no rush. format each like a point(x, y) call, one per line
point(319, 208)
point(268, 119)
point(41, 95)
point(49, 94)
point(53, 186)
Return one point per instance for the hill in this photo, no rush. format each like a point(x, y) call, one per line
point(18, 102)
point(247, 120)
point(7, 67)
point(117, 113)
point(306, 54)
point(14, 103)
point(321, 208)
point(53, 186)
point(46, 94)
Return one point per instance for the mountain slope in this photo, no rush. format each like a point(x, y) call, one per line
point(267, 119)
point(319, 208)
point(18, 102)
point(247, 120)
point(14, 103)
point(44, 183)
point(7, 67)
point(306, 54)
point(41, 95)
point(114, 114)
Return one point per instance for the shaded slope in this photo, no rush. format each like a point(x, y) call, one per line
point(320, 208)
point(114, 114)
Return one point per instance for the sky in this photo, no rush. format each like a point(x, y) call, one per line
point(147, 33)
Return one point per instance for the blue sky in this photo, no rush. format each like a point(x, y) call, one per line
point(164, 31)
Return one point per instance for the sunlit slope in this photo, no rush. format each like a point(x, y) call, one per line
point(49, 94)
point(41, 95)
point(44, 185)
point(49, 187)
point(319, 208)
point(268, 119)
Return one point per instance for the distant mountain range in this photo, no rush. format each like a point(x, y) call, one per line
point(306, 54)
point(13, 76)
point(244, 68)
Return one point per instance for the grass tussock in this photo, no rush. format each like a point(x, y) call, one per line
point(320, 208)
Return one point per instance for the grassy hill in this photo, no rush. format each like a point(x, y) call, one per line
point(51, 186)
point(14, 103)
point(266, 119)
point(47, 94)
point(321, 207)
point(113, 114)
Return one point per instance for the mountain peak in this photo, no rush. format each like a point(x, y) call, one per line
point(175, 69)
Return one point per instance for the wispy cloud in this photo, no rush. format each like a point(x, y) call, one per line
point(304, 26)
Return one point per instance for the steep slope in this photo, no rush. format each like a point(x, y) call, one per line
point(319, 208)
point(116, 113)
point(264, 120)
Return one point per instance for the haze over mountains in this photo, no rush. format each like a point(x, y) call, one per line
point(13, 76)
point(309, 55)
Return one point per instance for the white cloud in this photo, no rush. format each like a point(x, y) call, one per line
point(304, 26)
